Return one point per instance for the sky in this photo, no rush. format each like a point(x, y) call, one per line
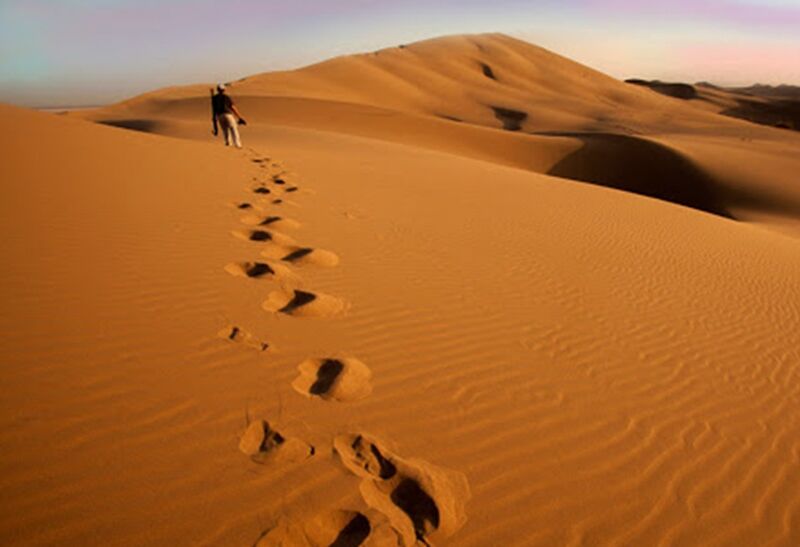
point(89, 52)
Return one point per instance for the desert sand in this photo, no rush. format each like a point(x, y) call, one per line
point(460, 292)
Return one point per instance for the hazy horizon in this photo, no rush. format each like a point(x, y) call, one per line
point(92, 52)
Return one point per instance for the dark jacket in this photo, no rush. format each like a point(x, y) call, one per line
point(221, 104)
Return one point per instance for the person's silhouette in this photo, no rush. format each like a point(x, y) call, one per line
point(225, 116)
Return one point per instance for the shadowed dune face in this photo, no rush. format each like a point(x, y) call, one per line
point(143, 125)
point(675, 90)
point(651, 169)
point(642, 167)
point(781, 113)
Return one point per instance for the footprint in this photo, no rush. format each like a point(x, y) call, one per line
point(291, 189)
point(261, 190)
point(308, 255)
point(338, 528)
point(302, 256)
point(299, 303)
point(264, 236)
point(273, 221)
point(419, 499)
point(244, 205)
point(263, 444)
point(282, 201)
point(418, 505)
point(236, 334)
point(260, 235)
point(364, 457)
point(354, 533)
point(334, 379)
point(259, 270)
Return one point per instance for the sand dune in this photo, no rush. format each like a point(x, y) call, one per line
point(446, 78)
point(560, 118)
point(777, 107)
point(377, 326)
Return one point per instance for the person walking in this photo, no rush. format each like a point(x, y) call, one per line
point(225, 116)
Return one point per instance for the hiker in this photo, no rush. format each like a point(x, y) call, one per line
point(225, 113)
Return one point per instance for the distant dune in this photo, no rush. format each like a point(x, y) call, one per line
point(773, 106)
point(778, 91)
point(462, 292)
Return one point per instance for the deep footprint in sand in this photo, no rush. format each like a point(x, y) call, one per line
point(302, 256)
point(264, 444)
point(264, 236)
point(353, 533)
point(273, 221)
point(237, 335)
point(337, 528)
point(259, 270)
point(340, 380)
point(365, 457)
point(419, 499)
point(299, 303)
point(309, 255)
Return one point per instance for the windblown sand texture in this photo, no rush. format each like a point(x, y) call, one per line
point(461, 292)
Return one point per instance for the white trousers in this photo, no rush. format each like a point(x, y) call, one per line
point(230, 129)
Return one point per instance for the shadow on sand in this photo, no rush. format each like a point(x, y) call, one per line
point(145, 126)
point(641, 167)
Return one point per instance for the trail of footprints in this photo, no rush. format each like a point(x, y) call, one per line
point(407, 499)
